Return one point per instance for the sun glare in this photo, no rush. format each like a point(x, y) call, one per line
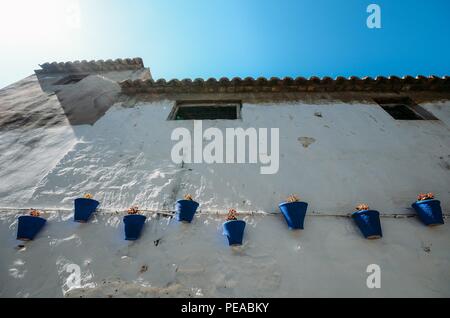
point(24, 22)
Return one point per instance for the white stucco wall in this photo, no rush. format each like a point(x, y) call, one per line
point(328, 259)
point(359, 154)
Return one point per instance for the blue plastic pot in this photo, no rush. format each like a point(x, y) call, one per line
point(133, 226)
point(234, 230)
point(429, 211)
point(185, 210)
point(294, 213)
point(29, 226)
point(369, 223)
point(84, 209)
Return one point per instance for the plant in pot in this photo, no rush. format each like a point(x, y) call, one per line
point(185, 209)
point(134, 222)
point(368, 222)
point(294, 212)
point(429, 209)
point(233, 228)
point(30, 225)
point(84, 207)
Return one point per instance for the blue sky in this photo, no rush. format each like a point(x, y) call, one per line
point(212, 38)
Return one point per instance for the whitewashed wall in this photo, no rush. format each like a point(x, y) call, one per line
point(359, 154)
point(328, 259)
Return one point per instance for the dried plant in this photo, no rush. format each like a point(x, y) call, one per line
point(362, 207)
point(88, 196)
point(293, 198)
point(188, 197)
point(133, 210)
point(232, 215)
point(34, 212)
point(425, 196)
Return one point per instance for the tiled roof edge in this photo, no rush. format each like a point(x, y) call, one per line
point(288, 84)
point(92, 66)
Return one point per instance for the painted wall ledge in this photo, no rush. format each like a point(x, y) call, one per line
point(170, 213)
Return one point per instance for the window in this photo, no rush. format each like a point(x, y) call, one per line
point(204, 110)
point(403, 108)
point(71, 79)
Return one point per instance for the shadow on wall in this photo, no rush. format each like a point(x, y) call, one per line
point(53, 100)
point(84, 98)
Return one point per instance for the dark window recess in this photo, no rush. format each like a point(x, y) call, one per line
point(403, 108)
point(71, 79)
point(205, 111)
point(401, 112)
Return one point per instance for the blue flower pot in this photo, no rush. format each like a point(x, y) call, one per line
point(133, 226)
point(185, 210)
point(84, 209)
point(429, 211)
point(294, 213)
point(369, 223)
point(29, 226)
point(234, 230)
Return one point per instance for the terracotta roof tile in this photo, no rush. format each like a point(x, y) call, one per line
point(91, 66)
point(288, 84)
